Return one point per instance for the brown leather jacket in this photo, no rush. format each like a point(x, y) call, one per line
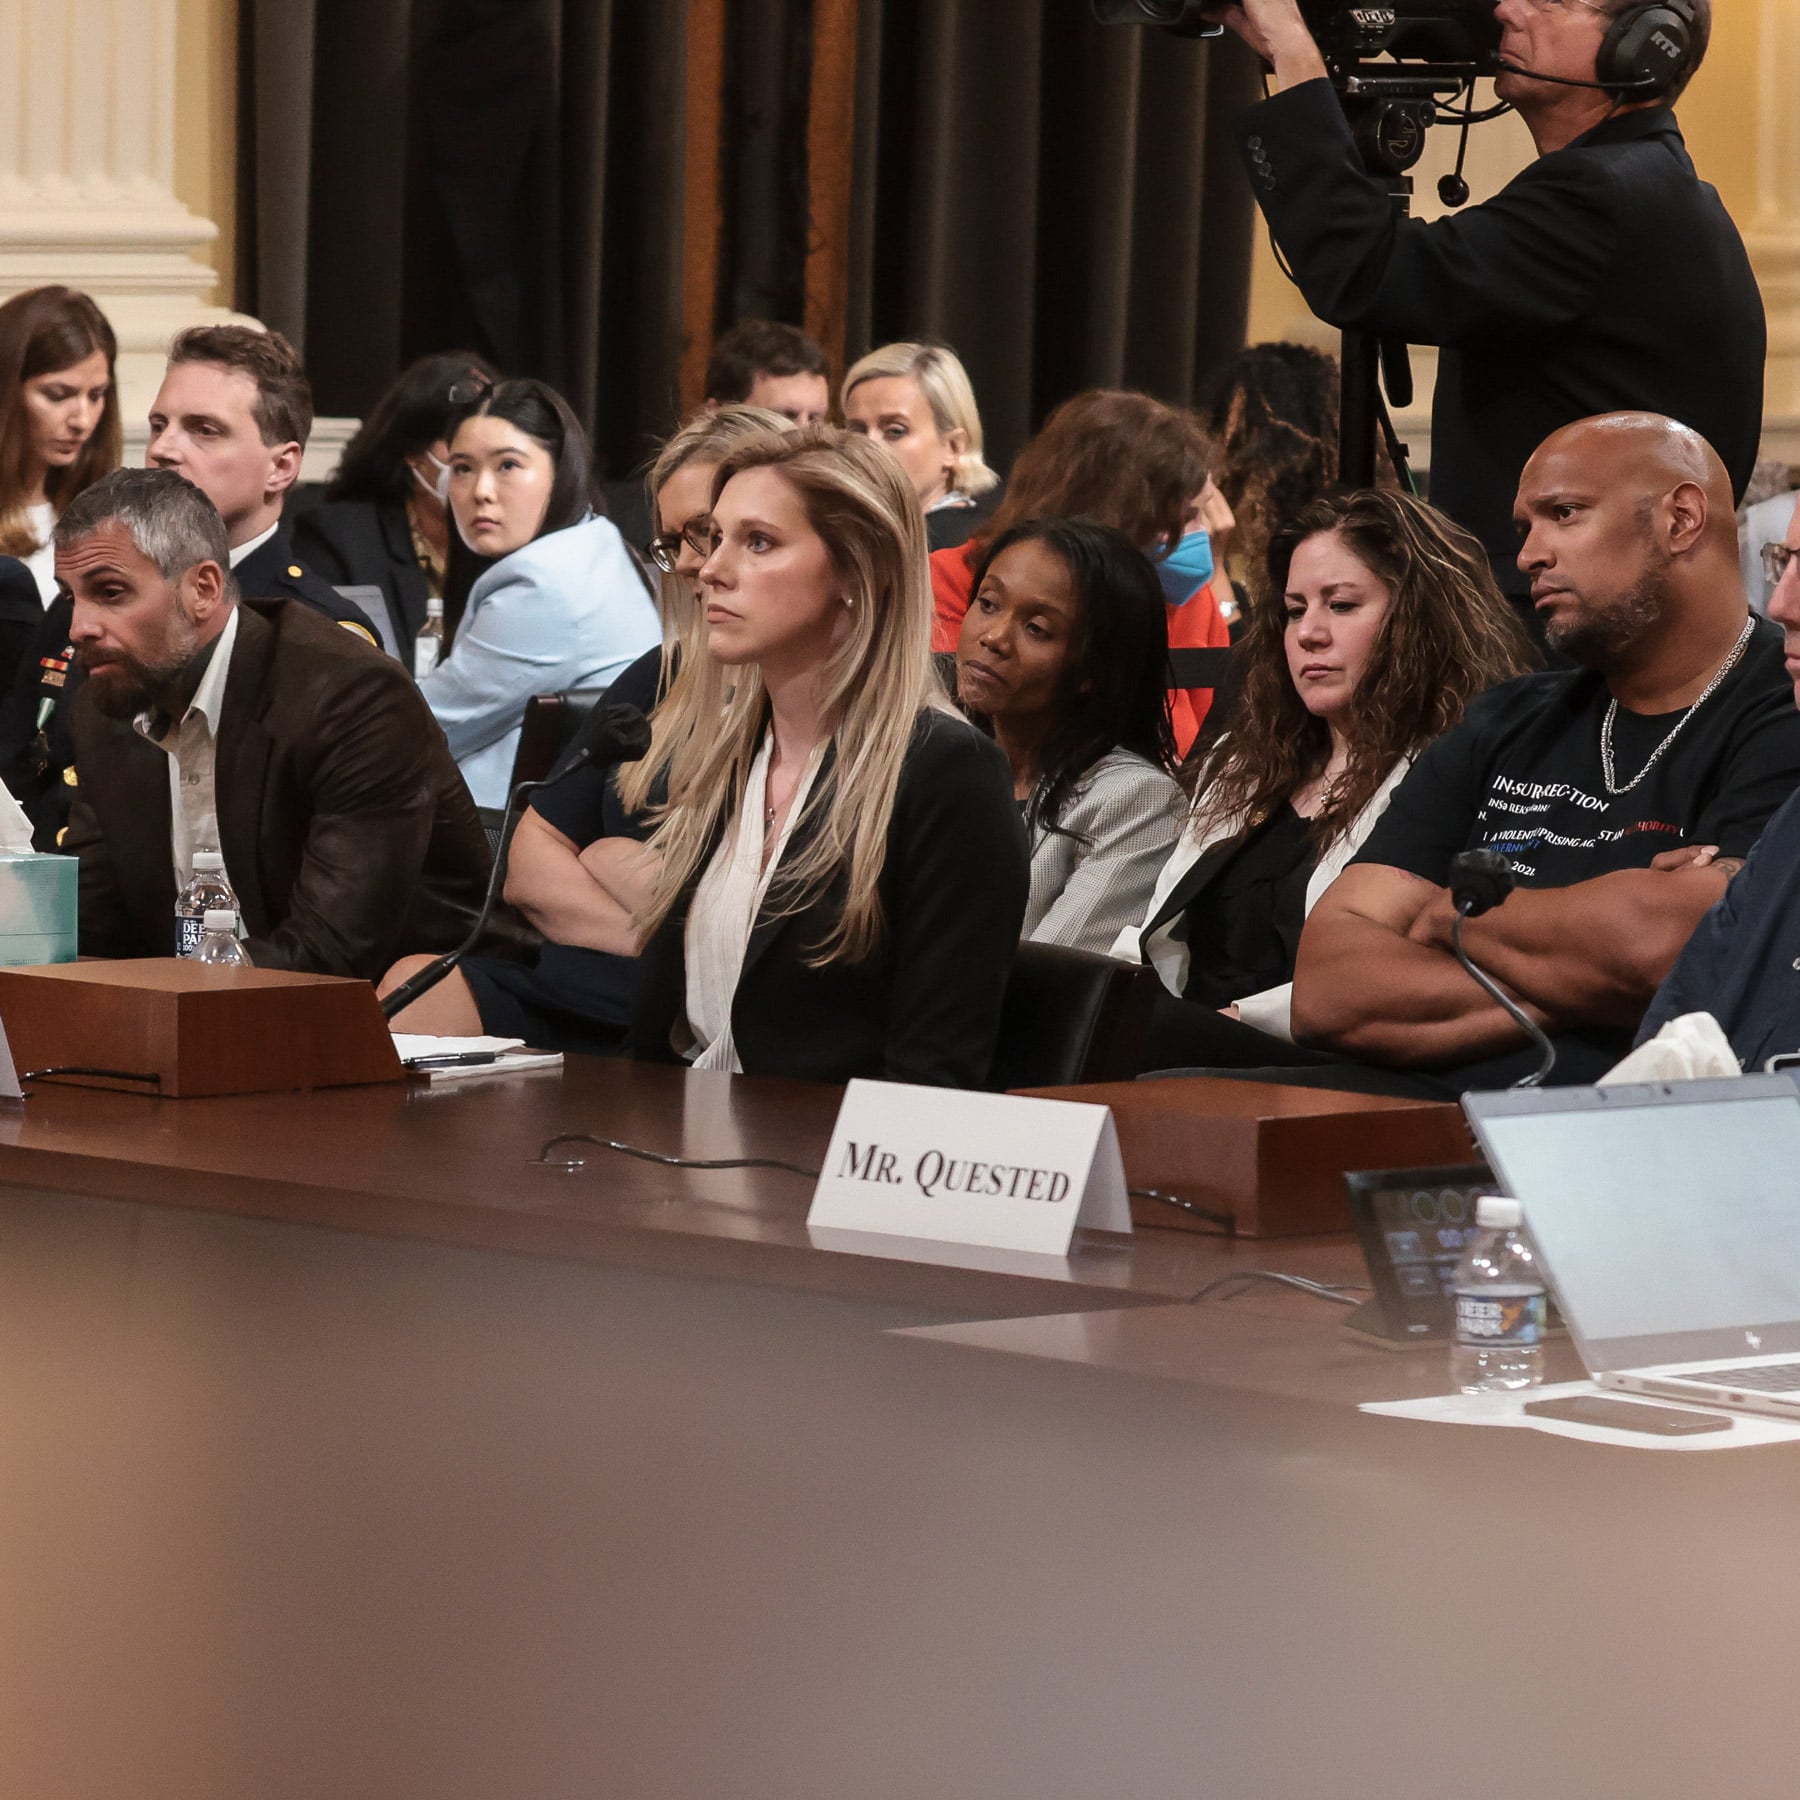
point(347, 831)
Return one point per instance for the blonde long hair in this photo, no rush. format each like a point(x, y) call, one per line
point(708, 437)
point(876, 682)
point(945, 383)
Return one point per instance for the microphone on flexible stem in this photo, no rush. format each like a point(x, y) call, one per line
point(611, 734)
point(1479, 881)
point(1503, 67)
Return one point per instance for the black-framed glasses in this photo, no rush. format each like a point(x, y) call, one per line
point(700, 535)
point(1775, 560)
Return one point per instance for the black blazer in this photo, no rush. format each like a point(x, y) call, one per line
point(1605, 277)
point(346, 828)
point(367, 543)
point(925, 1006)
point(21, 617)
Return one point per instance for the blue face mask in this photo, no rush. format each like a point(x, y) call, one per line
point(1186, 569)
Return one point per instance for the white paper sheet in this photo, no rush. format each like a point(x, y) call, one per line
point(1747, 1429)
point(411, 1045)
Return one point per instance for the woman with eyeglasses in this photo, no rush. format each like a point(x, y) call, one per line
point(540, 594)
point(838, 877)
point(385, 518)
point(570, 839)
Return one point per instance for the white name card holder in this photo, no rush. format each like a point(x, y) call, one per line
point(9, 1075)
point(993, 1170)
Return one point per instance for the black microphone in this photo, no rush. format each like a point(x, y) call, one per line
point(1480, 880)
point(611, 734)
point(1504, 67)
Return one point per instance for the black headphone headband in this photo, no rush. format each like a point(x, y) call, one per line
point(1650, 48)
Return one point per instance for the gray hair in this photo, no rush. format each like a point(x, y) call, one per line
point(172, 523)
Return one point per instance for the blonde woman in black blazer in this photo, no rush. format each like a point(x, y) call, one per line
point(838, 885)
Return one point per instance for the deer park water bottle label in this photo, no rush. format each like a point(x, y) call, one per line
point(1500, 1321)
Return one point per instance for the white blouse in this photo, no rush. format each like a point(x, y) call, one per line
point(42, 561)
point(723, 914)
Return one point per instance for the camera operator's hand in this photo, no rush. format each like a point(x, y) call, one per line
point(1275, 30)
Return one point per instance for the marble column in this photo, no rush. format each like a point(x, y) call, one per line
point(88, 99)
point(1773, 233)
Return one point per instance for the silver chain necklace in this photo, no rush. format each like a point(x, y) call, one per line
point(1706, 693)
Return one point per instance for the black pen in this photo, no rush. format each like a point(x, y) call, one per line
point(465, 1059)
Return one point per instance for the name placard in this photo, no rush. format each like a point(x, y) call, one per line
point(962, 1168)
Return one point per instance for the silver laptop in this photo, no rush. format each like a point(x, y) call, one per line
point(1667, 1216)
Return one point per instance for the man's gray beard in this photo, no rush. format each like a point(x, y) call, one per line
point(1603, 638)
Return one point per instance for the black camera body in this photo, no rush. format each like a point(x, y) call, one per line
point(1435, 45)
point(1445, 37)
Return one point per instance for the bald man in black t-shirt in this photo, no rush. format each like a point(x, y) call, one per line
point(1625, 793)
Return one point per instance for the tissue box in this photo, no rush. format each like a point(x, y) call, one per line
point(39, 903)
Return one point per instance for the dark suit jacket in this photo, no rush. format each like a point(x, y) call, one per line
point(364, 543)
point(925, 1007)
point(21, 617)
point(39, 765)
point(1605, 277)
point(346, 829)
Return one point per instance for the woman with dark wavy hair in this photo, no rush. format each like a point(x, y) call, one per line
point(1379, 623)
point(1275, 421)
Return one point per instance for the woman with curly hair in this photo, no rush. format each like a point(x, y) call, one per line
point(1380, 622)
point(1275, 422)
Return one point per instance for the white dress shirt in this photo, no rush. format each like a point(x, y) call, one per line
point(190, 744)
point(240, 551)
point(42, 561)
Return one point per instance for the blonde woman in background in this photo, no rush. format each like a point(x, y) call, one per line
point(809, 906)
point(578, 996)
point(917, 401)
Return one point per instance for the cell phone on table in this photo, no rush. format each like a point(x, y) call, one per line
point(1627, 1415)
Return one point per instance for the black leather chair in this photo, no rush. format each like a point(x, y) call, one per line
point(1072, 1017)
point(549, 728)
point(493, 819)
point(1215, 669)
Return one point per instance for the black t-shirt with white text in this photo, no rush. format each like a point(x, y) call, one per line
point(1522, 774)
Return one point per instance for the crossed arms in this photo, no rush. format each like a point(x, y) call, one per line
point(575, 896)
point(1377, 980)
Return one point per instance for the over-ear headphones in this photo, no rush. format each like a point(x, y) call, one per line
point(1649, 48)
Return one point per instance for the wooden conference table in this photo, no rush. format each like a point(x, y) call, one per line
point(345, 1451)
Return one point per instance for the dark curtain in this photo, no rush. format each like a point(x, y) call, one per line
point(1053, 198)
point(498, 174)
point(1058, 200)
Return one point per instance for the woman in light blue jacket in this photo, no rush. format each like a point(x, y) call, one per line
point(554, 599)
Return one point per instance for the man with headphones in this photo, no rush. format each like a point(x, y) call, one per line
point(1606, 277)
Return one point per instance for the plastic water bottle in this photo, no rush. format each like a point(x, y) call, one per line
point(1500, 1305)
point(219, 940)
point(428, 646)
point(209, 891)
